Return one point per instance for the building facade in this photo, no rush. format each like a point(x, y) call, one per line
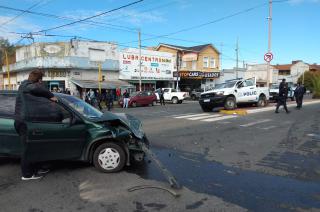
point(156, 68)
point(67, 65)
point(292, 72)
point(197, 66)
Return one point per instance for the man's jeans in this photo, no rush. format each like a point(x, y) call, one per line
point(125, 102)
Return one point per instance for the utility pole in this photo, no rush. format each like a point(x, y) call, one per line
point(177, 64)
point(269, 40)
point(8, 69)
point(139, 34)
point(237, 54)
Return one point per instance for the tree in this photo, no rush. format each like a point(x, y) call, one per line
point(311, 82)
point(11, 51)
point(316, 86)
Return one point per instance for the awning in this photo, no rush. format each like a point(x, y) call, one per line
point(108, 84)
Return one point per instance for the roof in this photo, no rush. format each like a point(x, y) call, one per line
point(108, 84)
point(283, 67)
point(315, 67)
point(198, 48)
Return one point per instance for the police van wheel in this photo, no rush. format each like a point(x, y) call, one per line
point(262, 102)
point(230, 103)
point(175, 100)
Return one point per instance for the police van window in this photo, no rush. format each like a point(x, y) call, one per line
point(166, 90)
point(249, 82)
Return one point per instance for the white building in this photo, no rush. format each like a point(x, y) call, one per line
point(230, 74)
point(260, 72)
point(292, 72)
point(156, 68)
point(67, 65)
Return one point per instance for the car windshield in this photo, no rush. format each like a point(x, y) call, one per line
point(82, 107)
point(225, 85)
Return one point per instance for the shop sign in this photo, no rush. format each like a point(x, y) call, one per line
point(56, 73)
point(197, 75)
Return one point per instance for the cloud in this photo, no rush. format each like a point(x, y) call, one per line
point(18, 25)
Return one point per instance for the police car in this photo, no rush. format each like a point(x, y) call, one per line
point(234, 92)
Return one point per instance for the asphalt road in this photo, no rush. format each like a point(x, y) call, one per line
point(259, 162)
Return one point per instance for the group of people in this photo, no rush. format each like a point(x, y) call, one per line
point(95, 98)
point(283, 95)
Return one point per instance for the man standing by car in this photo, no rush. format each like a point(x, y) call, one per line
point(126, 98)
point(283, 95)
point(25, 110)
point(161, 97)
point(109, 99)
point(298, 93)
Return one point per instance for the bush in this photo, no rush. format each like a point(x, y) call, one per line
point(309, 76)
point(316, 87)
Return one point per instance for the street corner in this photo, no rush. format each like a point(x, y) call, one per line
point(240, 112)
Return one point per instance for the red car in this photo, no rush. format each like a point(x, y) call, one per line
point(142, 98)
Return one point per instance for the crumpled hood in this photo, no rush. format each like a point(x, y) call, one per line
point(133, 124)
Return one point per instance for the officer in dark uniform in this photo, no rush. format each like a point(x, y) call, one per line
point(283, 95)
point(298, 93)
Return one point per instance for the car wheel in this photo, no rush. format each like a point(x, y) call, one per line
point(180, 102)
point(230, 103)
point(109, 157)
point(262, 102)
point(134, 104)
point(175, 100)
point(206, 109)
point(154, 103)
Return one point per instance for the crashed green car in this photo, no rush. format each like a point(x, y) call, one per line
point(108, 141)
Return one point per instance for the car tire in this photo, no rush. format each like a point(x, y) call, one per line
point(154, 103)
point(175, 100)
point(180, 102)
point(262, 101)
point(230, 103)
point(206, 109)
point(134, 104)
point(109, 158)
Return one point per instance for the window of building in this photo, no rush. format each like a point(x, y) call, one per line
point(194, 65)
point(206, 62)
point(184, 64)
point(212, 62)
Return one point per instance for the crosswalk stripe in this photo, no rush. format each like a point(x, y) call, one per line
point(193, 115)
point(255, 122)
point(204, 117)
point(218, 118)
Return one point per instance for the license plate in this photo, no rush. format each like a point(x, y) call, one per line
point(206, 100)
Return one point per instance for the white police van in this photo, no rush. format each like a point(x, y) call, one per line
point(234, 92)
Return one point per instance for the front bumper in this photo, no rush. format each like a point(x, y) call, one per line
point(216, 101)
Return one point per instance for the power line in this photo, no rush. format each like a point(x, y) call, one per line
point(90, 17)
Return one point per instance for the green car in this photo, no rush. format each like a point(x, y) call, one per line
point(108, 141)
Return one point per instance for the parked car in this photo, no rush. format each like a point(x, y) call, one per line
point(232, 93)
point(142, 98)
point(274, 92)
point(172, 95)
point(109, 141)
point(196, 93)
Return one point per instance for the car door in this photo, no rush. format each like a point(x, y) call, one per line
point(252, 91)
point(9, 139)
point(58, 139)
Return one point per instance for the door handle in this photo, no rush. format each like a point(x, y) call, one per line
point(37, 132)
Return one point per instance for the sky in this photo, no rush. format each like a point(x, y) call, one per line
point(295, 25)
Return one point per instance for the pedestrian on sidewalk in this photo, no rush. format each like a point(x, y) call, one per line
point(126, 98)
point(283, 95)
point(162, 97)
point(299, 93)
point(31, 92)
point(109, 100)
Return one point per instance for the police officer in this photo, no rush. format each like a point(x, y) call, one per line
point(283, 95)
point(298, 93)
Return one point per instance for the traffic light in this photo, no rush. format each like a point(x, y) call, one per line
point(103, 78)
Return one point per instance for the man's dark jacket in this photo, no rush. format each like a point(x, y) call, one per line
point(283, 89)
point(33, 104)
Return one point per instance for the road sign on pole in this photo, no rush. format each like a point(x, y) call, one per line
point(268, 57)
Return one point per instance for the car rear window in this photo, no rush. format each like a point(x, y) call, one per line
point(7, 105)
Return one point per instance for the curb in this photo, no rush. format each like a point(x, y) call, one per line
point(240, 112)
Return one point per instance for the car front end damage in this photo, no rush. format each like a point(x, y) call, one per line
point(128, 131)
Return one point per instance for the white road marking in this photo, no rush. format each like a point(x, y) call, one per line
point(193, 115)
point(256, 122)
point(267, 128)
point(219, 118)
point(204, 117)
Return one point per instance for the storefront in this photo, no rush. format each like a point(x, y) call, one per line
point(156, 68)
point(190, 80)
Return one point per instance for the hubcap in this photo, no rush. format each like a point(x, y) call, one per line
point(230, 103)
point(109, 158)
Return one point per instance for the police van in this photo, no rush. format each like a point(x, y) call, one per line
point(234, 92)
